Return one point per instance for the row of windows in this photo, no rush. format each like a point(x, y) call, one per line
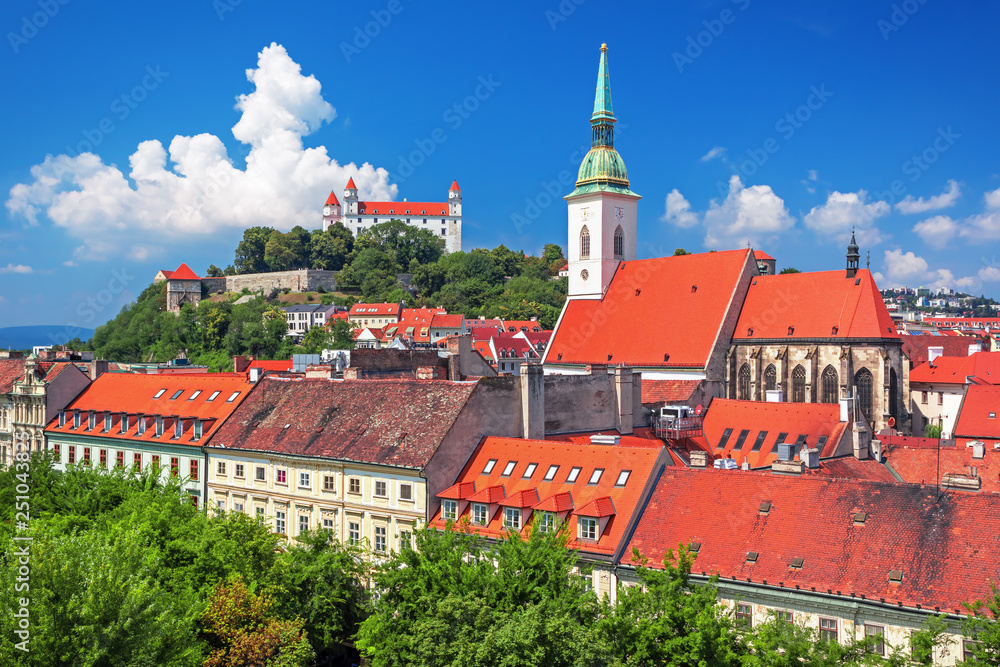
point(550, 473)
point(381, 489)
point(142, 424)
point(195, 394)
point(102, 459)
point(587, 527)
point(924, 396)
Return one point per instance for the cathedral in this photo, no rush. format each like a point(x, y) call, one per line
point(720, 324)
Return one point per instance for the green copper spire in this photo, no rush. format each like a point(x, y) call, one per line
point(602, 101)
point(602, 169)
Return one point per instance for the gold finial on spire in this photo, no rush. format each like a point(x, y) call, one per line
point(604, 47)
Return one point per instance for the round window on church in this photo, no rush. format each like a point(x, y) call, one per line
point(585, 274)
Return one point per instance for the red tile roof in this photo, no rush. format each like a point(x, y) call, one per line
point(946, 548)
point(10, 370)
point(460, 491)
point(760, 254)
point(848, 467)
point(636, 322)
point(166, 274)
point(332, 200)
point(984, 367)
point(276, 365)
point(558, 494)
point(375, 309)
point(788, 306)
point(915, 346)
point(398, 422)
point(454, 186)
point(668, 391)
point(135, 394)
point(350, 184)
point(521, 325)
point(441, 321)
point(812, 420)
point(974, 418)
point(401, 208)
point(483, 333)
point(917, 461)
point(184, 272)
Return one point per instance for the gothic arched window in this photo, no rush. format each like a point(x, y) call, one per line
point(744, 389)
point(831, 385)
point(893, 389)
point(584, 243)
point(619, 243)
point(770, 377)
point(863, 382)
point(799, 385)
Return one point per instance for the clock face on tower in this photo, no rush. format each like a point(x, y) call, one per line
point(584, 213)
point(619, 214)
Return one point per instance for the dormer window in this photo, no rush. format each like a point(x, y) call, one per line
point(508, 469)
point(178, 427)
point(573, 474)
point(551, 473)
point(76, 419)
point(589, 529)
point(124, 422)
point(62, 418)
point(159, 426)
point(107, 422)
point(91, 420)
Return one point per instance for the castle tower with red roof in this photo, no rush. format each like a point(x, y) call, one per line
point(442, 219)
point(602, 208)
point(183, 286)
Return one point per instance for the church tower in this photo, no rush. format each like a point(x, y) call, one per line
point(852, 257)
point(602, 208)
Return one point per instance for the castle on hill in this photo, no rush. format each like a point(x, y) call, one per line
point(440, 218)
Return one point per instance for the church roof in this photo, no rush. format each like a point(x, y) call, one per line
point(667, 311)
point(824, 304)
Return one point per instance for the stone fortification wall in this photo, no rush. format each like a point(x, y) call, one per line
point(301, 280)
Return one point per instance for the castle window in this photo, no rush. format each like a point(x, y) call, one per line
point(799, 385)
point(744, 387)
point(831, 385)
point(619, 243)
point(584, 243)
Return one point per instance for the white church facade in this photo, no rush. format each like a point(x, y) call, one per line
point(442, 219)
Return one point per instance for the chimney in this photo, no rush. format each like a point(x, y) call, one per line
point(351, 373)
point(319, 371)
point(254, 374)
point(699, 459)
point(241, 363)
point(933, 353)
point(426, 372)
point(596, 369)
point(774, 395)
point(846, 413)
point(532, 401)
point(860, 438)
point(876, 449)
point(978, 449)
point(623, 396)
point(98, 367)
point(975, 347)
point(810, 457)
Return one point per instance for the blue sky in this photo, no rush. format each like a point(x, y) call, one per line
point(781, 123)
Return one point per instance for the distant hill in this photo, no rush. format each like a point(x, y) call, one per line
point(24, 338)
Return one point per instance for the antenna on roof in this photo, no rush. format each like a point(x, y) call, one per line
point(868, 259)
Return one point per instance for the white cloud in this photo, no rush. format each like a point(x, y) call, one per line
point(936, 231)
point(813, 174)
point(201, 191)
point(678, 211)
point(142, 253)
point(946, 199)
point(69, 262)
point(992, 198)
point(16, 268)
point(989, 273)
point(747, 215)
point(717, 151)
point(912, 270)
point(844, 211)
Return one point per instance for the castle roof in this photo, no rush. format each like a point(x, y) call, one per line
point(332, 200)
point(184, 272)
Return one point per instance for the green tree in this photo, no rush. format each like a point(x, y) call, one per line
point(790, 269)
point(932, 431)
point(552, 253)
point(680, 251)
point(429, 278)
point(343, 335)
point(404, 242)
point(281, 252)
point(329, 250)
point(214, 271)
point(250, 251)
